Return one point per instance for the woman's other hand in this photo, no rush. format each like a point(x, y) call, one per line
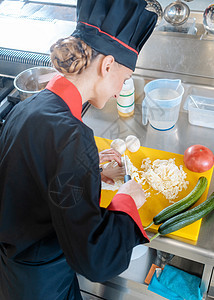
point(109, 155)
point(135, 190)
point(112, 171)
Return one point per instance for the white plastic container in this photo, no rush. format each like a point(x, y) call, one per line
point(126, 100)
point(200, 110)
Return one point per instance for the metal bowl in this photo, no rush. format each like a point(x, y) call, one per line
point(154, 6)
point(33, 80)
point(176, 13)
point(208, 19)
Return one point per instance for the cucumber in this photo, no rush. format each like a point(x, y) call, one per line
point(186, 218)
point(182, 204)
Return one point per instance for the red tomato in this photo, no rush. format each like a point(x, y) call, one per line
point(198, 158)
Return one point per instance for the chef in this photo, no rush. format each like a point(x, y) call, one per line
point(51, 223)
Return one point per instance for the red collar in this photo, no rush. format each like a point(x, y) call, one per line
point(66, 90)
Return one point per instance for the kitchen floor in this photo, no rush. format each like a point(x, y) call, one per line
point(87, 296)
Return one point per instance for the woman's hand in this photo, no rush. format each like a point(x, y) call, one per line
point(135, 190)
point(109, 155)
point(111, 171)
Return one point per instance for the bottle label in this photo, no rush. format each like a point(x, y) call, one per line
point(125, 103)
point(125, 94)
point(125, 110)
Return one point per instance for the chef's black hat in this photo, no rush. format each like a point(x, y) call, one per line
point(116, 27)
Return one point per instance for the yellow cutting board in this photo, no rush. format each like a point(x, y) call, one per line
point(156, 202)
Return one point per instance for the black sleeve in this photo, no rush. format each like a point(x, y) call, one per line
point(97, 243)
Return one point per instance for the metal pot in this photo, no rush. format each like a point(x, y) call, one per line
point(154, 6)
point(208, 19)
point(33, 80)
point(176, 13)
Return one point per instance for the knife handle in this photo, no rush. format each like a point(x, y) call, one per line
point(127, 178)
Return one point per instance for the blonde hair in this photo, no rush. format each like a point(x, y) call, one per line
point(71, 55)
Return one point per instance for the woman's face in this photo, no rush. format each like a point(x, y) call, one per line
point(110, 84)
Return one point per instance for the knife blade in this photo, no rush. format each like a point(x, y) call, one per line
point(127, 177)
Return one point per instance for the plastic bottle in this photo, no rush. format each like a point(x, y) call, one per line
point(126, 100)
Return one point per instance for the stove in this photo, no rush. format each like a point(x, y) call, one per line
point(7, 102)
point(9, 97)
point(6, 85)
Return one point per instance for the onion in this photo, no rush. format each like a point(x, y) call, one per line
point(119, 145)
point(132, 143)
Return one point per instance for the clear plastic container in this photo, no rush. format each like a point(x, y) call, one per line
point(200, 110)
point(161, 105)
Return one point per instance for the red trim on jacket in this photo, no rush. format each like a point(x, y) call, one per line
point(112, 37)
point(125, 203)
point(66, 90)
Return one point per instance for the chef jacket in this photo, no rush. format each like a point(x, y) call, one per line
point(51, 223)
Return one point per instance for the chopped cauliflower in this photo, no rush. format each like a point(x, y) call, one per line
point(164, 176)
point(161, 175)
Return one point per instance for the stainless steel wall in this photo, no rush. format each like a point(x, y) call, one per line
point(177, 54)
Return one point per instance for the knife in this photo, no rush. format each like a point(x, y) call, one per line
point(127, 177)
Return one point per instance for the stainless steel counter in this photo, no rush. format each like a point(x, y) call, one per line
point(106, 123)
